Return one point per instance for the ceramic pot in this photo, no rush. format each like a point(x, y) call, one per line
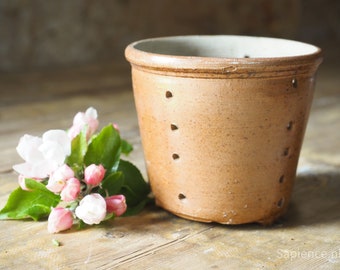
point(222, 120)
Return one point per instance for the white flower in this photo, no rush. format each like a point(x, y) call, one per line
point(56, 145)
point(42, 155)
point(28, 146)
point(92, 209)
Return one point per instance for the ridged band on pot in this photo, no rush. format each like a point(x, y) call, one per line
point(222, 120)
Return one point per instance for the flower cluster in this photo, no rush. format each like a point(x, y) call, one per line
point(80, 174)
point(92, 208)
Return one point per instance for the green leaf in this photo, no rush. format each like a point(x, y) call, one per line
point(135, 189)
point(34, 204)
point(78, 150)
point(109, 216)
point(126, 147)
point(81, 224)
point(104, 149)
point(112, 184)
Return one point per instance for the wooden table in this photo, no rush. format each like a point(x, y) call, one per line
point(308, 237)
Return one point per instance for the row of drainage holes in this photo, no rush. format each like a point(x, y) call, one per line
point(173, 127)
point(168, 94)
point(279, 204)
point(286, 150)
point(181, 196)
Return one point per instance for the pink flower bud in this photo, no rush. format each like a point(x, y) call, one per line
point(92, 209)
point(86, 119)
point(94, 174)
point(60, 219)
point(59, 177)
point(115, 126)
point(116, 204)
point(71, 190)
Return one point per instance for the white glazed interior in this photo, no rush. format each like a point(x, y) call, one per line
point(226, 47)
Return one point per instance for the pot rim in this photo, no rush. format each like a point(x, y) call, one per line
point(197, 64)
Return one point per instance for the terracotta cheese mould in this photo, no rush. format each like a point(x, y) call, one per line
point(222, 120)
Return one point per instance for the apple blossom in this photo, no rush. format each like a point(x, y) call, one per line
point(71, 190)
point(91, 209)
point(94, 174)
point(60, 219)
point(35, 164)
point(42, 155)
point(116, 204)
point(28, 148)
point(81, 120)
point(58, 178)
point(56, 145)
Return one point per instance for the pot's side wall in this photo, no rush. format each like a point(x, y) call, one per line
point(223, 150)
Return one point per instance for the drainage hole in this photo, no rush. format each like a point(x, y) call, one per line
point(168, 94)
point(280, 202)
point(281, 179)
point(286, 152)
point(175, 156)
point(294, 83)
point(173, 127)
point(289, 125)
point(181, 196)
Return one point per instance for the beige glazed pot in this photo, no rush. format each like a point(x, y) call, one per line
point(222, 120)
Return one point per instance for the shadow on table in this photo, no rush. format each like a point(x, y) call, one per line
point(315, 200)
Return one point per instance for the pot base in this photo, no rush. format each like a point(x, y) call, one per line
point(265, 221)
